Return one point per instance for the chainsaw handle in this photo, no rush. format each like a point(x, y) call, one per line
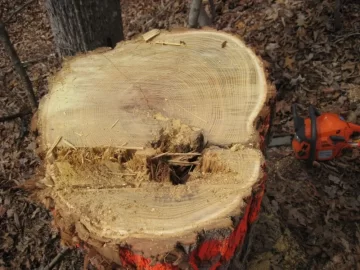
point(313, 113)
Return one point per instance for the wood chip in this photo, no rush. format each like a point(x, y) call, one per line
point(169, 43)
point(69, 144)
point(151, 34)
point(113, 125)
point(56, 142)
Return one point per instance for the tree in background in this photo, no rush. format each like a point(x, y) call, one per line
point(81, 26)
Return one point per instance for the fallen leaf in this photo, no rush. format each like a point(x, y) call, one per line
point(283, 107)
point(240, 25)
point(348, 66)
point(301, 19)
point(2, 211)
point(301, 32)
point(289, 62)
point(334, 179)
point(272, 46)
point(342, 99)
point(295, 214)
point(328, 90)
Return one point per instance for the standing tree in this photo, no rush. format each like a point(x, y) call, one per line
point(80, 26)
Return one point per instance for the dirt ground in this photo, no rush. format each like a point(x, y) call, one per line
point(310, 217)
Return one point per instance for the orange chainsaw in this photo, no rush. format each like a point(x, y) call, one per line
point(321, 136)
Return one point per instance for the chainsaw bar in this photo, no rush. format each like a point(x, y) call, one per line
point(278, 141)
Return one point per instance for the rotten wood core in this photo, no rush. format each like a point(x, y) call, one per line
point(167, 136)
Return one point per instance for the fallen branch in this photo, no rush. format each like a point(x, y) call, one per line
point(56, 259)
point(18, 10)
point(346, 36)
point(9, 48)
point(169, 43)
point(14, 116)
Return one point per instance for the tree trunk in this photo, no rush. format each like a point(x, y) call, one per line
point(154, 149)
point(80, 26)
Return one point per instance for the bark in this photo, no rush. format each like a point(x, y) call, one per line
point(80, 26)
point(198, 16)
point(212, 9)
point(195, 7)
point(337, 15)
point(9, 48)
point(204, 19)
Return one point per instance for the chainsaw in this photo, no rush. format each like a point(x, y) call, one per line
point(320, 136)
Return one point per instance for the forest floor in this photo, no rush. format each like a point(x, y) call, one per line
point(310, 217)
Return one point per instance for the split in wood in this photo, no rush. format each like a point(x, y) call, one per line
point(164, 167)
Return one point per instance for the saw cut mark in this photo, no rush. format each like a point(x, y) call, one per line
point(219, 90)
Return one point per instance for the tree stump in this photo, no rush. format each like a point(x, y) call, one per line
point(153, 150)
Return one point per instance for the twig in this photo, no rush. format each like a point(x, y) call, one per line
point(56, 259)
point(56, 142)
point(346, 36)
point(176, 154)
point(113, 125)
point(160, 13)
point(69, 144)
point(4, 37)
point(33, 61)
point(14, 116)
point(168, 43)
point(18, 10)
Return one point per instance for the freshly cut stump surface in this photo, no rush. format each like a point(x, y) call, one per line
point(154, 142)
